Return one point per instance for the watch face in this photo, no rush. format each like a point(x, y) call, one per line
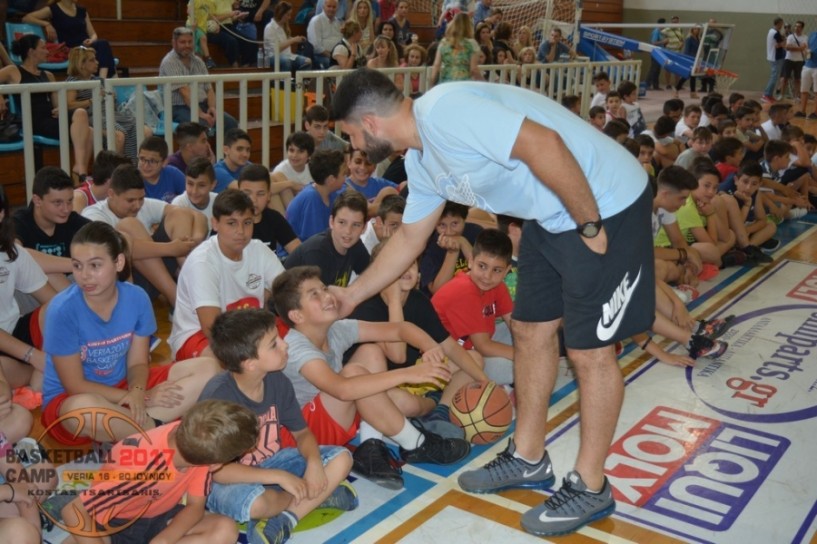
point(590, 230)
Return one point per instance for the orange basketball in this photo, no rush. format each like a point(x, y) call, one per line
point(483, 410)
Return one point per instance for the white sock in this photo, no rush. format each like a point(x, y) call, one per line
point(409, 437)
point(528, 461)
point(367, 432)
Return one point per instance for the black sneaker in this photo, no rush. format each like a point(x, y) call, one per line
point(373, 460)
point(437, 423)
point(508, 472)
point(436, 449)
point(701, 346)
point(770, 245)
point(800, 114)
point(812, 116)
point(733, 257)
point(754, 253)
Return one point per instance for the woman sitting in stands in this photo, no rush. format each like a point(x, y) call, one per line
point(65, 21)
point(277, 35)
point(44, 109)
point(82, 65)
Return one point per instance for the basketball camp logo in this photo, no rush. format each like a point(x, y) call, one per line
point(92, 468)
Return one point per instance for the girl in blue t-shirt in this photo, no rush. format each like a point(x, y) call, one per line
point(98, 383)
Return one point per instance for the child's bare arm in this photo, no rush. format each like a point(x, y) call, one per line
point(489, 348)
point(457, 354)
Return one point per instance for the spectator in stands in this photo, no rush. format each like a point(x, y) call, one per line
point(257, 11)
point(82, 65)
point(388, 29)
point(348, 53)
point(415, 56)
point(482, 11)
point(324, 33)
point(482, 34)
point(524, 38)
point(555, 49)
point(31, 48)
point(385, 56)
point(403, 33)
point(457, 57)
point(363, 16)
point(277, 37)
point(181, 61)
point(67, 22)
point(344, 7)
point(5, 60)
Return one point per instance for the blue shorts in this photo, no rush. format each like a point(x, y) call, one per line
point(235, 500)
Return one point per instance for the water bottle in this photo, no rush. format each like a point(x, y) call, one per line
point(262, 57)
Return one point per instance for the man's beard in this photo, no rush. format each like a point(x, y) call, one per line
point(377, 149)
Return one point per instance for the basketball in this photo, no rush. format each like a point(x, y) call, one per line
point(483, 410)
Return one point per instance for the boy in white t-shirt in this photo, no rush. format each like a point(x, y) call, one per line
point(155, 228)
point(292, 174)
point(228, 271)
point(684, 128)
point(200, 180)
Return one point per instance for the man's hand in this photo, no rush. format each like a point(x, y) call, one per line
point(343, 299)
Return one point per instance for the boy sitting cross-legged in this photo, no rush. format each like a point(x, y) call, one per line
point(279, 485)
point(470, 303)
point(176, 460)
point(334, 398)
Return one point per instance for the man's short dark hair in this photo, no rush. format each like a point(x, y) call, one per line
point(353, 200)
point(254, 172)
point(301, 140)
point(155, 144)
point(365, 92)
point(495, 243)
point(325, 163)
point(286, 289)
point(454, 209)
point(126, 177)
point(48, 178)
point(201, 166)
point(235, 336)
point(231, 201)
point(677, 178)
point(235, 134)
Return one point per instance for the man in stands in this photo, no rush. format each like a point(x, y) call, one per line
point(182, 61)
point(324, 34)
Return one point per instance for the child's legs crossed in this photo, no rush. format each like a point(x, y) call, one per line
point(188, 379)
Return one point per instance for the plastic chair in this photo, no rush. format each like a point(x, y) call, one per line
point(159, 129)
point(38, 140)
point(15, 30)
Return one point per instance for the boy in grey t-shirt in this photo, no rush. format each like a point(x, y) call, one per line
point(275, 481)
point(333, 398)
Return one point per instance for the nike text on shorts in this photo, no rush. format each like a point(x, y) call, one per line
point(569, 509)
point(508, 472)
point(602, 299)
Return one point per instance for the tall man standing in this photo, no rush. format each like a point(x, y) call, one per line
point(775, 54)
point(585, 258)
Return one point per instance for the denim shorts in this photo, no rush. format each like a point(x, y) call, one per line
point(235, 500)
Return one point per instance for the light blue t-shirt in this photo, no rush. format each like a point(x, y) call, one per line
point(468, 130)
point(72, 327)
point(811, 62)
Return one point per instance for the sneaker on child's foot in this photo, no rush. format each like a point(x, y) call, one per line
point(373, 460)
point(713, 328)
point(733, 257)
point(570, 508)
point(53, 505)
point(800, 114)
point(275, 530)
point(770, 245)
point(797, 213)
point(436, 449)
point(701, 346)
point(343, 498)
point(508, 472)
point(440, 424)
point(755, 254)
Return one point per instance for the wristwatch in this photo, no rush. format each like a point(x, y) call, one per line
point(590, 229)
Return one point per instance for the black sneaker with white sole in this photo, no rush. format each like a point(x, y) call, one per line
point(373, 460)
point(435, 449)
point(508, 472)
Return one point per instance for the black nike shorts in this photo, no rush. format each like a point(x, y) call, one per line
point(601, 298)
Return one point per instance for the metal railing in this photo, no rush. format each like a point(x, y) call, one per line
point(285, 107)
